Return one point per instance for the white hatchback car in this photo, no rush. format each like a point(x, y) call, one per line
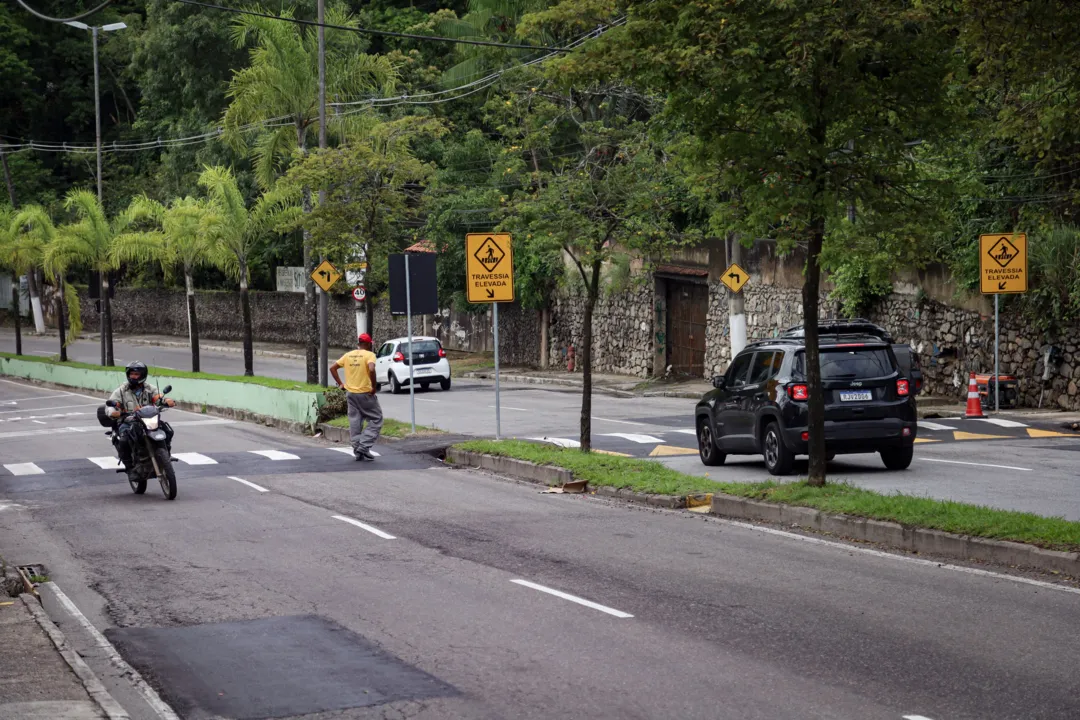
point(429, 364)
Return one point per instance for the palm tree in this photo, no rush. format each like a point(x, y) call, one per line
point(235, 231)
point(180, 241)
point(88, 242)
point(9, 259)
point(282, 82)
point(35, 235)
point(484, 20)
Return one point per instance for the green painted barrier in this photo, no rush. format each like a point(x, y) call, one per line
point(295, 406)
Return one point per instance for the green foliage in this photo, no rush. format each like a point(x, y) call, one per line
point(1053, 300)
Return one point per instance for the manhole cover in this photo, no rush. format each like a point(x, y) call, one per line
point(275, 667)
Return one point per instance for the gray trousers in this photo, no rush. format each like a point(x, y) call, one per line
point(364, 408)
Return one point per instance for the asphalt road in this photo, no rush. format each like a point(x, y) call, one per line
point(1016, 464)
point(322, 588)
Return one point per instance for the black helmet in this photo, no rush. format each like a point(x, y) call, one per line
point(136, 373)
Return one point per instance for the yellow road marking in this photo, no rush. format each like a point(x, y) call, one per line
point(5, 604)
point(666, 450)
point(924, 440)
point(611, 452)
point(961, 435)
point(1048, 433)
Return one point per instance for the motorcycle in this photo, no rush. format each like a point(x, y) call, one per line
point(149, 449)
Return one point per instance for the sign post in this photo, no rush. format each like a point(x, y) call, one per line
point(489, 261)
point(408, 323)
point(1002, 270)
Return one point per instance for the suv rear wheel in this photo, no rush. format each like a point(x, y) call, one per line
point(897, 458)
point(710, 454)
point(778, 459)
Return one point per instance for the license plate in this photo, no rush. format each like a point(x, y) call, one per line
point(855, 395)
point(423, 370)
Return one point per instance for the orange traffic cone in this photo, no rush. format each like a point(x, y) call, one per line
point(974, 403)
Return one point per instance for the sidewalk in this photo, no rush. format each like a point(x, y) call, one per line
point(41, 676)
point(607, 384)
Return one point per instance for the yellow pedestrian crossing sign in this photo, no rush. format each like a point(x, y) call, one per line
point(325, 275)
point(734, 278)
point(1003, 263)
point(489, 271)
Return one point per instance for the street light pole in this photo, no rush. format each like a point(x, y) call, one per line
point(324, 298)
point(105, 327)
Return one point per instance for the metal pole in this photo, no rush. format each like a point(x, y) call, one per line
point(408, 315)
point(997, 358)
point(97, 134)
point(324, 298)
point(495, 323)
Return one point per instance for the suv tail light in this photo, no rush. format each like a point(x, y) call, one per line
point(442, 353)
point(903, 387)
point(798, 392)
point(398, 357)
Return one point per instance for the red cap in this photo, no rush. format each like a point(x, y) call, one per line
point(364, 337)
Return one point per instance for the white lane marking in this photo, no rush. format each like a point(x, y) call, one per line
point(214, 421)
point(891, 556)
point(193, 458)
point(960, 462)
point(108, 462)
point(39, 422)
point(365, 526)
point(24, 469)
point(1002, 422)
point(95, 428)
point(633, 437)
point(350, 451)
point(424, 400)
point(927, 425)
point(561, 442)
point(621, 422)
point(686, 431)
point(916, 717)
point(163, 711)
point(573, 598)
point(507, 407)
point(249, 484)
point(44, 353)
point(57, 407)
point(35, 397)
point(275, 454)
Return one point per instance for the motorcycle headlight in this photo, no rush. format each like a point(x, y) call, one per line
point(151, 423)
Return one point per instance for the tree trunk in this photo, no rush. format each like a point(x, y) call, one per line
point(811, 285)
point(110, 358)
point(193, 321)
point(34, 283)
point(245, 310)
point(592, 290)
point(104, 341)
point(15, 312)
point(61, 323)
point(545, 329)
point(7, 179)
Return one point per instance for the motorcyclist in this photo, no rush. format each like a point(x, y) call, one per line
point(129, 397)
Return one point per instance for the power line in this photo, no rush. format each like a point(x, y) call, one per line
point(368, 31)
point(80, 16)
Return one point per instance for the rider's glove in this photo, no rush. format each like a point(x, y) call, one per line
point(170, 402)
point(113, 412)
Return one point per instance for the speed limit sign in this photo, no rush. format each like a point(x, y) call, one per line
point(359, 293)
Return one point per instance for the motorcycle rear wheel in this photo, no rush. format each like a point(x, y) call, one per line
point(167, 476)
point(137, 486)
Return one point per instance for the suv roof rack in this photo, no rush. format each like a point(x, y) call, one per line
point(842, 326)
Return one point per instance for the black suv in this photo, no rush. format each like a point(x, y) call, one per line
point(760, 403)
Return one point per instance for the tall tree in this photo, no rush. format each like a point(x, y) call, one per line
point(10, 259)
point(792, 84)
point(180, 240)
point(235, 231)
point(88, 242)
point(282, 82)
point(37, 236)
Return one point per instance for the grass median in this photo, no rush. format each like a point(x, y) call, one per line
point(392, 428)
point(653, 477)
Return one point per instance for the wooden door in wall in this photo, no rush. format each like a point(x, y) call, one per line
point(688, 309)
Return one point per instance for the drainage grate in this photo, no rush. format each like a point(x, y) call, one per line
point(32, 571)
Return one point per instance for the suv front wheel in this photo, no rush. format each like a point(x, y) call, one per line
point(710, 454)
point(778, 458)
point(897, 458)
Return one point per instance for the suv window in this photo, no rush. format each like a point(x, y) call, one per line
point(847, 364)
point(761, 370)
point(736, 374)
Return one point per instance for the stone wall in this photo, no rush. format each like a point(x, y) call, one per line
point(622, 330)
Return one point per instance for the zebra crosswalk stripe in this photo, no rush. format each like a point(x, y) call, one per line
point(275, 454)
point(1002, 422)
point(194, 458)
point(24, 469)
point(109, 462)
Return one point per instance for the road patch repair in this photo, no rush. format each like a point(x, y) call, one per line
point(917, 525)
point(266, 668)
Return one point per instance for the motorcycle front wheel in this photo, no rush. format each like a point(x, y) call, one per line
point(137, 486)
point(166, 475)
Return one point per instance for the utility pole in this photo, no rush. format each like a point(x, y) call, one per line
point(103, 284)
point(736, 304)
point(324, 298)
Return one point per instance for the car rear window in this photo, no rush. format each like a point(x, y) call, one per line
point(851, 363)
point(421, 346)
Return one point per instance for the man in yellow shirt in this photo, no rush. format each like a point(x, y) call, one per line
point(362, 404)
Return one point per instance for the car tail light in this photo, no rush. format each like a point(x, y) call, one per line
point(902, 387)
point(906, 432)
point(442, 353)
point(398, 357)
point(805, 437)
point(798, 392)
point(918, 386)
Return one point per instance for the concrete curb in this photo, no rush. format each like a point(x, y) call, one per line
point(533, 380)
point(93, 686)
point(209, 348)
point(912, 539)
